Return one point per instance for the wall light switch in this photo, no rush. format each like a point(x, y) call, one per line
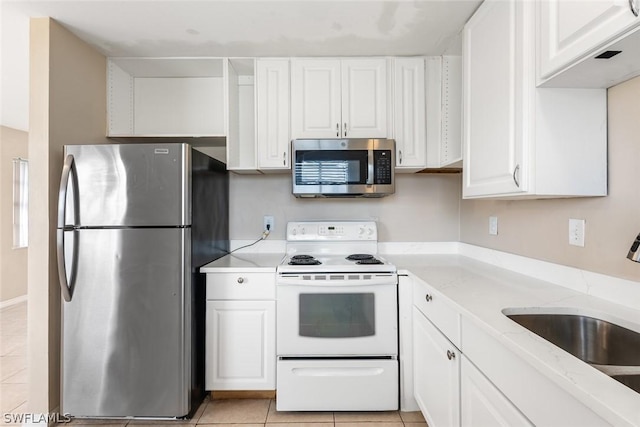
point(493, 225)
point(576, 232)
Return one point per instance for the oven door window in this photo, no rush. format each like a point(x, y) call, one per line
point(331, 167)
point(341, 315)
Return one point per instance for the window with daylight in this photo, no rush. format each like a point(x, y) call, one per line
point(20, 203)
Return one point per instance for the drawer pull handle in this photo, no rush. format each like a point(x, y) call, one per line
point(428, 298)
point(240, 280)
point(451, 355)
point(633, 4)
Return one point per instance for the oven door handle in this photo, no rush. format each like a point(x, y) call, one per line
point(338, 283)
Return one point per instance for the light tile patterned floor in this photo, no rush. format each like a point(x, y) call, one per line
point(13, 359)
point(262, 412)
point(220, 413)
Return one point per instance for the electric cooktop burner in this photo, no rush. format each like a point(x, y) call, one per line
point(303, 260)
point(358, 257)
point(364, 259)
point(369, 261)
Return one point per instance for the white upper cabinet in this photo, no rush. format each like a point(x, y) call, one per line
point(572, 31)
point(409, 114)
point(338, 98)
point(272, 111)
point(519, 140)
point(240, 106)
point(162, 97)
point(444, 111)
point(364, 98)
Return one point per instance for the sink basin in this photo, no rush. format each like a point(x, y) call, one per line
point(606, 346)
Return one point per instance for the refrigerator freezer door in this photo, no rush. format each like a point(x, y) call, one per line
point(127, 331)
point(124, 185)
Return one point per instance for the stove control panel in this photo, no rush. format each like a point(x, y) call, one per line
point(336, 230)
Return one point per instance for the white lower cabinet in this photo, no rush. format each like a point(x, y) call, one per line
point(436, 374)
point(482, 404)
point(240, 343)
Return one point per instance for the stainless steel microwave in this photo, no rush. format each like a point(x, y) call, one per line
point(356, 167)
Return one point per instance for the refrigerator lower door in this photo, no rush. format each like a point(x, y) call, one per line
point(127, 333)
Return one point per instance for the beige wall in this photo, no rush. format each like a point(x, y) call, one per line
point(13, 262)
point(539, 228)
point(424, 208)
point(67, 106)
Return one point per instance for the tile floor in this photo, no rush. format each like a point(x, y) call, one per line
point(221, 413)
point(13, 359)
point(262, 413)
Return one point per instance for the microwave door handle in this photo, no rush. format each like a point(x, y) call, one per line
point(370, 167)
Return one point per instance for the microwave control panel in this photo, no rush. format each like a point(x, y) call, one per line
point(382, 166)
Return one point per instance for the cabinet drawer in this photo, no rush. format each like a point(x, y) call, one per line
point(438, 310)
point(241, 286)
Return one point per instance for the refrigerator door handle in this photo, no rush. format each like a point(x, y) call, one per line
point(68, 172)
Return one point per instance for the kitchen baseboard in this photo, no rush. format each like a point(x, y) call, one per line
point(243, 394)
point(13, 301)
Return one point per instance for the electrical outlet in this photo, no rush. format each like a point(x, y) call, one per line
point(493, 225)
point(268, 223)
point(576, 232)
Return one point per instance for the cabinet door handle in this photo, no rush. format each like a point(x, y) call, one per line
point(515, 175)
point(451, 355)
point(428, 298)
point(338, 129)
point(345, 129)
point(400, 156)
point(284, 159)
point(635, 8)
point(241, 280)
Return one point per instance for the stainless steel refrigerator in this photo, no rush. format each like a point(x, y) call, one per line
point(135, 222)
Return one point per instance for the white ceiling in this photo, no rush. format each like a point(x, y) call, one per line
point(243, 28)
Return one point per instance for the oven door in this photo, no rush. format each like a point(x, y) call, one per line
point(337, 318)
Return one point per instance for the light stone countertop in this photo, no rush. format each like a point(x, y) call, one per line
point(241, 261)
point(481, 291)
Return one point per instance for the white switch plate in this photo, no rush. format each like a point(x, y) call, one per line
point(493, 225)
point(576, 232)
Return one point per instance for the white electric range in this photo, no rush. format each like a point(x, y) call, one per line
point(337, 320)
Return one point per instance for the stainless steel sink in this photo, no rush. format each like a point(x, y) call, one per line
point(611, 348)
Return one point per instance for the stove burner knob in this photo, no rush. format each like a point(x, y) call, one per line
point(241, 280)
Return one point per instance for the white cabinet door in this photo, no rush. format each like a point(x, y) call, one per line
point(240, 345)
point(315, 98)
point(410, 113)
point(364, 98)
point(482, 404)
point(332, 98)
point(570, 30)
point(492, 100)
point(520, 140)
point(436, 374)
point(272, 121)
